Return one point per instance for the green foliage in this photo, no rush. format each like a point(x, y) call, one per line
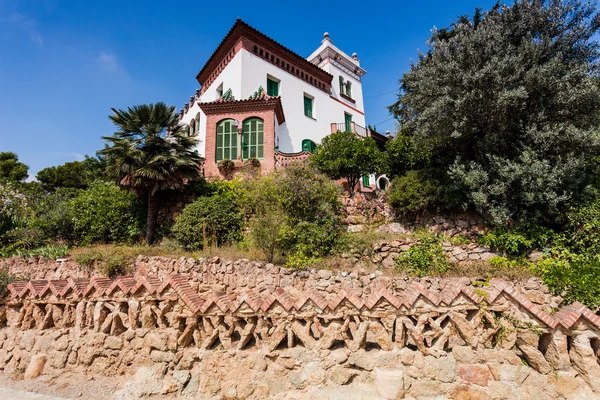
point(413, 193)
point(149, 153)
point(73, 174)
point(226, 167)
point(15, 206)
point(54, 216)
point(507, 105)
point(573, 276)
point(209, 221)
point(105, 213)
point(10, 167)
point(48, 252)
point(518, 241)
point(402, 154)
point(345, 155)
point(313, 211)
point(426, 257)
point(108, 262)
point(582, 228)
point(268, 216)
point(296, 212)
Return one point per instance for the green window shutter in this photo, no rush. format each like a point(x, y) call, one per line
point(245, 140)
point(308, 103)
point(349, 89)
point(272, 87)
point(308, 145)
point(366, 180)
point(253, 139)
point(341, 85)
point(260, 133)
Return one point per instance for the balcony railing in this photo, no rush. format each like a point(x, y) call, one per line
point(349, 127)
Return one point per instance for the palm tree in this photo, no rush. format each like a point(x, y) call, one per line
point(150, 152)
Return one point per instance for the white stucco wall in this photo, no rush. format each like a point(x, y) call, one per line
point(230, 77)
point(292, 89)
point(246, 72)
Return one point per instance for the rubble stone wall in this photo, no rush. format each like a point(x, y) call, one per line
point(251, 330)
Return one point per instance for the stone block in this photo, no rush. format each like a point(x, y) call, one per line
point(36, 366)
point(389, 384)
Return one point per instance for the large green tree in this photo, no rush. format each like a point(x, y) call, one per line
point(508, 103)
point(149, 153)
point(73, 174)
point(345, 155)
point(11, 168)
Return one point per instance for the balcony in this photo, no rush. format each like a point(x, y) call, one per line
point(349, 127)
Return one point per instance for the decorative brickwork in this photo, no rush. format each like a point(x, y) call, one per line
point(378, 328)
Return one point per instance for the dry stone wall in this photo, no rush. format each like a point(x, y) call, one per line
point(240, 329)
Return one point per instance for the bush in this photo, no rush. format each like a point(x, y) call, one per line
point(105, 213)
point(424, 258)
point(519, 241)
point(582, 228)
point(110, 262)
point(413, 192)
point(54, 216)
point(213, 221)
point(573, 276)
point(296, 212)
point(268, 217)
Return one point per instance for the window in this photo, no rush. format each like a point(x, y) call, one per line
point(192, 130)
point(383, 183)
point(349, 89)
point(226, 141)
point(220, 91)
point(308, 145)
point(197, 122)
point(348, 122)
point(253, 138)
point(272, 87)
point(366, 180)
point(308, 106)
point(341, 84)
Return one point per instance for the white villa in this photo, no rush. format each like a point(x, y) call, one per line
point(258, 99)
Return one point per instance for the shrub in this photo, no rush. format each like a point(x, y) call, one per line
point(413, 192)
point(519, 241)
point(105, 213)
point(214, 221)
point(582, 228)
point(268, 216)
point(426, 257)
point(573, 276)
point(110, 262)
point(226, 167)
point(54, 216)
point(311, 203)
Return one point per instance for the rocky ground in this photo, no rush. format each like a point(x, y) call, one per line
point(54, 387)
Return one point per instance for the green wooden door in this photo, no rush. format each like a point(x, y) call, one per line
point(348, 122)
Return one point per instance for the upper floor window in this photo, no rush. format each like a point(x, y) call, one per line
point(220, 91)
point(309, 145)
point(308, 106)
point(272, 86)
point(345, 87)
point(192, 130)
point(227, 138)
point(253, 138)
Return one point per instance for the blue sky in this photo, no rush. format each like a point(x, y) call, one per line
point(64, 64)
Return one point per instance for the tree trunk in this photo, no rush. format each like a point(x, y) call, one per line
point(152, 217)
